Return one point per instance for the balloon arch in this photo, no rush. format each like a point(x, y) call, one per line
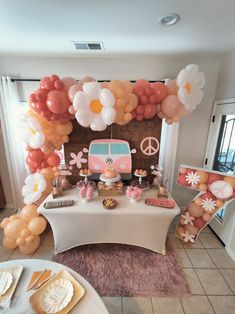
point(46, 125)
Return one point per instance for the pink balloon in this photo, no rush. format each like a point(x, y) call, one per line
point(68, 82)
point(160, 90)
point(172, 87)
point(87, 79)
point(58, 102)
point(170, 105)
point(73, 90)
point(150, 111)
point(142, 83)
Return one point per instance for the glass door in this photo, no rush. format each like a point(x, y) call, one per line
point(220, 156)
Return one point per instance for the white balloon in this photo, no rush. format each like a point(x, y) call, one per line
point(83, 117)
point(106, 98)
point(92, 89)
point(98, 124)
point(80, 101)
point(108, 115)
point(36, 140)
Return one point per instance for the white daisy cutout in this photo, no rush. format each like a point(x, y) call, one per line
point(192, 178)
point(187, 218)
point(30, 131)
point(77, 159)
point(190, 81)
point(94, 106)
point(209, 205)
point(188, 237)
point(34, 186)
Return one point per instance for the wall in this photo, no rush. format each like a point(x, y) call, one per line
point(226, 81)
point(193, 129)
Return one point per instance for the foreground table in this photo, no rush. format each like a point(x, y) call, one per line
point(90, 303)
point(129, 223)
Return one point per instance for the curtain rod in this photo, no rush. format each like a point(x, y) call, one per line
point(100, 81)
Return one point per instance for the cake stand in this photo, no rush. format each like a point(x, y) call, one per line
point(140, 182)
point(85, 177)
point(110, 181)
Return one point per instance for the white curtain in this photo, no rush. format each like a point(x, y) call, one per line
point(9, 110)
point(167, 155)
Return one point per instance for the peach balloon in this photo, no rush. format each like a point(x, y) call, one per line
point(198, 201)
point(20, 241)
point(203, 187)
point(24, 233)
point(28, 212)
point(14, 228)
point(30, 238)
point(219, 203)
point(4, 222)
point(64, 129)
point(68, 82)
point(37, 225)
point(30, 247)
point(172, 87)
point(179, 231)
point(191, 229)
point(203, 176)
point(170, 105)
point(195, 210)
point(230, 180)
point(87, 79)
point(207, 217)
point(9, 243)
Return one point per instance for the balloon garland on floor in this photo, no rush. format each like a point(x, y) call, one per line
point(46, 125)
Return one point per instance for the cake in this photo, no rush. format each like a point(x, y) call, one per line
point(110, 172)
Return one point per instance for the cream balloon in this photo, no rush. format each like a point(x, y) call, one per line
point(13, 229)
point(30, 247)
point(37, 225)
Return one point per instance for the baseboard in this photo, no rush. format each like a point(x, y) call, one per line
point(231, 253)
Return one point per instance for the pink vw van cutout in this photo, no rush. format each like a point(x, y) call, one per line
point(109, 152)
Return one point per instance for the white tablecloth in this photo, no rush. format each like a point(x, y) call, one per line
point(129, 223)
point(91, 303)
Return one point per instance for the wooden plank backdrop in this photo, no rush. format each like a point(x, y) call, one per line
point(133, 132)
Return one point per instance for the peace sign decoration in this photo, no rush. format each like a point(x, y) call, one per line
point(216, 191)
point(149, 146)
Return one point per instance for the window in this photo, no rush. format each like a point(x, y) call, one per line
point(119, 149)
point(99, 149)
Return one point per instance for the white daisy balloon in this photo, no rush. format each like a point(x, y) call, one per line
point(94, 106)
point(30, 131)
point(190, 82)
point(34, 186)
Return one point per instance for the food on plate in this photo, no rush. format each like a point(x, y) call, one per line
point(86, 172)
point(110, 172)
point(110, 203)
point(140, 172)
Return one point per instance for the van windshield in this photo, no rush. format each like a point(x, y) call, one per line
point(99, 149)
point(119, 149)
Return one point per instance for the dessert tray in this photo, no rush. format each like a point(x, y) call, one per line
point(59, 295)
point(9, 279)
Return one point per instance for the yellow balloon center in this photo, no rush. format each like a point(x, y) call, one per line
point(35, 188)
point(96, 106)
point(188, 88)
point(32, 131)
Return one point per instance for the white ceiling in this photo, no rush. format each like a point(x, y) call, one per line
point(47, 27)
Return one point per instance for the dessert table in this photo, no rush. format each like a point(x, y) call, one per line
point(90, 303)
point(130, 223)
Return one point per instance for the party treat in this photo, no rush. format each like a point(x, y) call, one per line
point(86, 172)
point(86, 192)
point(110, 172)
point(110, 203)
point(133, 193)
point(159, 202)
point(140, 172)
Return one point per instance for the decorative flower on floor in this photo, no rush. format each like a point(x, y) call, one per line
point(94, 106)
point(34, 186)
point(77, 159)
point(187, 218)
point(188, 237)
point(209, 205)
point(30, 131)
point(190, 81)
point(192, 178)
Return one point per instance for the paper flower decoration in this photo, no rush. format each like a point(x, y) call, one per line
point(192, 178)
point(30, 131)
point(190, 81)
point(34, 186)
point(209, 205)
point(77, 159)
point(188, 237)
point(187, 218)
point(94, 106)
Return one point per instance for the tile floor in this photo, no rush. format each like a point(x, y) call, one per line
point(209, 270)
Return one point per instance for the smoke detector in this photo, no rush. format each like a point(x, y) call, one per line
point(88, 45)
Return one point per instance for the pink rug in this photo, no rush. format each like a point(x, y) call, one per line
point(124, 270)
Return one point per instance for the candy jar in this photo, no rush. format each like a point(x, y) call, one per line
point(133, 193)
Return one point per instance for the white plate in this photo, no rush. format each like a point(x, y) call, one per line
point(6, 280)
point(57, 296)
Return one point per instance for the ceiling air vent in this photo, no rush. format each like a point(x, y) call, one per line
point(83, 45)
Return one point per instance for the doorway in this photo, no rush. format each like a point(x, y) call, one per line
point(220, 156)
